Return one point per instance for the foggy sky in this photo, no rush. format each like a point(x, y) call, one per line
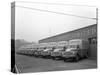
point(33, 25)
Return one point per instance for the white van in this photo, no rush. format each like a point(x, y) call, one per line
point(77, 49)
point(49, 48)
point(61, 46)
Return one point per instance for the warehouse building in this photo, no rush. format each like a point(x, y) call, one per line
point(89, 32)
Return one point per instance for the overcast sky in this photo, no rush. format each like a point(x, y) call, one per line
point(33, 25)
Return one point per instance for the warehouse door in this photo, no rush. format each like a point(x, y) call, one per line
point(93, 48)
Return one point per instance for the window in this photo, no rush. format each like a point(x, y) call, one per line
point(93, 30)
point(73, 46)
point(92, 40)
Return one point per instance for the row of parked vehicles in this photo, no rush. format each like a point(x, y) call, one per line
point(73, 49)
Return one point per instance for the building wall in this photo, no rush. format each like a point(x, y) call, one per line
point(89, 33)
point(86, 32)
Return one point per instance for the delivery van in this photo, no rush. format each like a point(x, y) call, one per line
point(77, 49)
point(61, 46)
point(49, 48)
point(41, 47)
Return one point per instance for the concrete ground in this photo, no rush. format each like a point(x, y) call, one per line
point(27, 64)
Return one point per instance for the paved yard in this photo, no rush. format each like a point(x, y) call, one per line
point(32, 64)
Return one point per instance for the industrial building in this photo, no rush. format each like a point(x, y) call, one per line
point(89, 32)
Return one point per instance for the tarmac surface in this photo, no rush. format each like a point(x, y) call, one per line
point(26, 64)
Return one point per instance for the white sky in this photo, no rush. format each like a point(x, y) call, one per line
point(33, 25)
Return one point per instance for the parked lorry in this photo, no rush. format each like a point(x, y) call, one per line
point(47, 52)
point(39, 50)
point(49, 48)
point(61, 46)
point(77, 49)
point(29, 49)
point(41, 47)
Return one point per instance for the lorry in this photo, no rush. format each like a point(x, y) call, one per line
point(41, 47)
point(38, 52)
point(29, 49)
point(49, 48)
point(61, 46)
point(57, 53)
point(77, 49)
point(47, 52)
